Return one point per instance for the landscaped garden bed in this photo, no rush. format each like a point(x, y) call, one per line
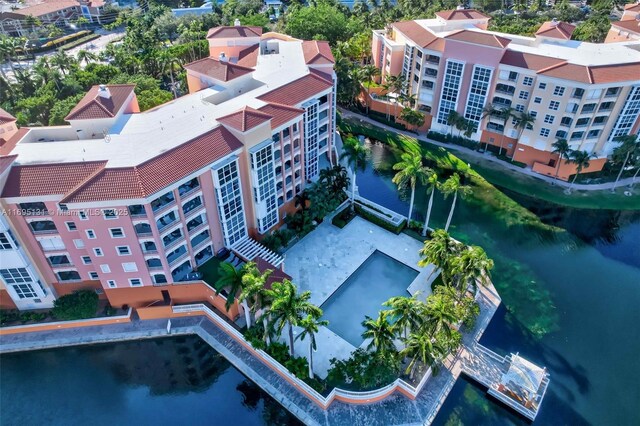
point(342, 218)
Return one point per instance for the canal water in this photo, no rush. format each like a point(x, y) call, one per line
point(570, 302)
point(570, 298)
point(167, 381)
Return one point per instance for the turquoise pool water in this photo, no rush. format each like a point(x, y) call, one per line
point(375, 281)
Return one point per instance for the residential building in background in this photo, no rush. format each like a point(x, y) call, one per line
point(586, 93)
point(137, 199)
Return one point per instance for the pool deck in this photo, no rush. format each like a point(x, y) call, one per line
point(323, 260)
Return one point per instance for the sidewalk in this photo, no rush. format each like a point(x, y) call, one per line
point(488, 157)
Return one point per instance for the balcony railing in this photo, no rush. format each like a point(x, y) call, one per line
point(60, 264)
point(173, 242)
point(164, 207)
point(180, 257)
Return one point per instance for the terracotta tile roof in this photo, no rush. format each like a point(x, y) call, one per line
point(46, 7)
point(222, 71)
point(456, 15)
point(6, 161)
point(248, 57)
point(528, 60)
point(5, 117)
point(93, 106)
point(419, 35)
point(6, 146)
point(233, 32)
point(48, 179)
point(630, 25)
point(245, 119)
point(281, 113)
point(315, 50)
point(297, 91)
point(594, 74)
point(277, 274)
point(156, 174)
point(327, 77)
point(561, 30)
point(477, 37)
point(633, 7)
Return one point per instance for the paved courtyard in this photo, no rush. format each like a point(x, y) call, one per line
point(325, 258)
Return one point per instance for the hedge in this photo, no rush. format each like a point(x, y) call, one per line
point(80, 41)
point(396, 229)
point(456, 140)
point(342, 218)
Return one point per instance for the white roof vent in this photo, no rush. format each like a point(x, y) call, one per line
point(222, 57)
point(103, 91)
point(460, 7)
point(237, 23)
point(554, 22)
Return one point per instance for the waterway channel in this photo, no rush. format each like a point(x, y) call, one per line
point(570, 303)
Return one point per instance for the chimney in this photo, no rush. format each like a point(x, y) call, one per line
point(237, 23)
point(459, 7)
point(103, 92)
point(222, 57)
point(554, 22)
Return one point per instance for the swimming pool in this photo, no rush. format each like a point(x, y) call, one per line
point(363, 293)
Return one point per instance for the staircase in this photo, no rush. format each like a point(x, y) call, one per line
point(249, 249)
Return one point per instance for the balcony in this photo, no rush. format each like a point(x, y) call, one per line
point(39, 227)
point(204, 255)
point(143, 229)
point(149, 247)
point(431, 73)
point(163, 202)
point(68, 276)
point(33, 209)
point(501, 102)
point(431, 59)
point(166, 220)
point(176, 255)
point(154, 264)
point(59, 261)
point(171, 239)
point(137, 210)
point(192, 204)
point(195, 224)
point(505, 89)
point(188, 188)
point(198, 239)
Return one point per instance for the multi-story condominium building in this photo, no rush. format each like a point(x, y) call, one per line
point(586, 93)
point(135, 199)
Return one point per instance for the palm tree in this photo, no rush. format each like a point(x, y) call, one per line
point(86, 56)
point(505, 114)
point(453, 186)
point(440, 311)
point(489, 111)
point(524, 120)
point(253, 290)
point(406, 312)
point(61, 60)
point(561, 147)
point(310, 325)
point(412, 117)
point(381, 333)
point(453, 120)
point(440, 251)
point(410, 172)
point(168, 62)
point(356, 156)
point(432, 185)
point(472, 265)
point(366, 76)
point(581, 160)
point(387, 86)
point(288, 307)
point(628, 148)
point(231, 278)
point(421, 347)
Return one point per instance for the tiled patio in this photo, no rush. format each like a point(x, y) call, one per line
point(325, 258)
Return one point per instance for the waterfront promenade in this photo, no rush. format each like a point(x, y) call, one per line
point(395, 409)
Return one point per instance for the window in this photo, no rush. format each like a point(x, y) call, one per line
point(5, 244)
point(20, 281)
point(71, 226)
point(566, 121)
point(513, 76)
point(83, 216)
point(600, 120)
point(130, 267)
point(90, 234)
point(192, 185)
point(554, 105)
point(116, 232)
point(111, 284)
point(606, 106)
point(520, 108)
point(572, 107)
point(577, 135)
point(416, 78)
point(43, 226)
point(68, 276)
point(561, 134)
point(582, 122)
point(417, 67)
point(450, 90)
point(109, 214)
point(78, 243)
point(105, 268)
point(558, 91)
point(594, 94)
point(548, 118)
point(98, 251)
point(136, 210)
point(523, 95)
point(534, 113)
point(123, 250)
point(86, 260)
point(135, 282)
point(578, 93)
point(612, 91)
point(587, 108)
point(93, 275)
point(527, 81)
point(537, 100)
point(542, 86)
point(544, 132)
point(593, 133)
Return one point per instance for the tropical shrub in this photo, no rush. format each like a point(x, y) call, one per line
point(456, 140)
point(255, 336)
point(343, 217)
point(298, 366)
point(278, 239)
point(363, 371)
point(80, 304)
point(396, 229)
point(279, 352)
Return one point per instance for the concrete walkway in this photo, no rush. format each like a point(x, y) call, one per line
point(489, 157)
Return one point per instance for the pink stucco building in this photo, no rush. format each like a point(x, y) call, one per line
point(586, 93)
point(135, 199)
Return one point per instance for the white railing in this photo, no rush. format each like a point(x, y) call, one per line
point(380, 211)
point(324, 402)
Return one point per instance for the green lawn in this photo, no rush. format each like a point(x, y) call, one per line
point(209, 271)
point(485, 173)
